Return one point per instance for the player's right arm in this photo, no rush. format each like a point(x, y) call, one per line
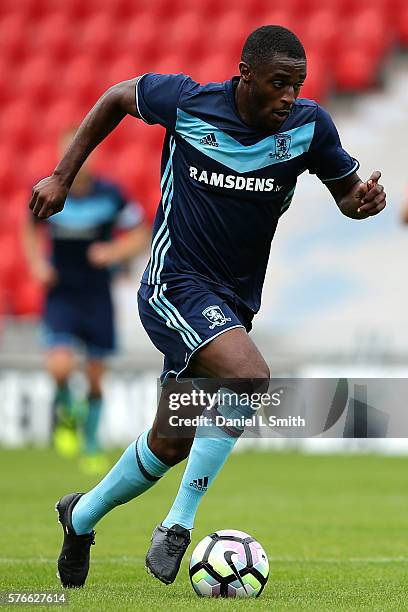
point(49, 195)
point(33, 244)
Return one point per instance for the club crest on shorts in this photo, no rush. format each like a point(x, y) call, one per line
point(282, 146)
point(215, 316)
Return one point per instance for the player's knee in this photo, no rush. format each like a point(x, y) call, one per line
point(95, 371)
point(168, 450)
point(60, 365)
point(252, 370)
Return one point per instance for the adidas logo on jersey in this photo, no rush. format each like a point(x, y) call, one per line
point(210, 139)
point(201, 484)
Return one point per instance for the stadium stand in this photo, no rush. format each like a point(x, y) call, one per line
point(56, 58)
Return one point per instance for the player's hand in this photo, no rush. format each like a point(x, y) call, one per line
point(101, 254)
point(371, 196)
point(48, 197)
point(44, 273)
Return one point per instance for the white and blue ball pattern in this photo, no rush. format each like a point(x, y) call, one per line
point(229, 563)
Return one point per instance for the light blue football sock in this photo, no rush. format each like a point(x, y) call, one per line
point(91, 425)
point(211, 448)
point(137, 470)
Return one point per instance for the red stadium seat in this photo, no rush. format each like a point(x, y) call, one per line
point(53, 37)
point(96, 37)
point(126, 133)
point(40, 162)
point(78, 11)
point(402, 27)
point(137, 168)
point(121, 10)
point(172, 63)
point(271, 15)
point(391, 10)
point(13, 37)
point(6, 81)
point(320, 33)
point(228, 33)
point(187, 35)
point(140, 37)
point(26, 298)
point(32, 10)
point(125, 67)
point(215, 68)
point(37, 80)
point(62, 115)
point(317, 84)
point(151, 200)
point(7, 261)
point(337, 7)
point(355, 71)
point(154, 136)
point(367, 31)
point(9, 174)
point(80, 81)
point(17, 125)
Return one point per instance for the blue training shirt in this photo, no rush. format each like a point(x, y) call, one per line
point(224, 184)
point(83, 221)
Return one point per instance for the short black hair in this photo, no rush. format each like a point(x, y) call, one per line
point(265, 42)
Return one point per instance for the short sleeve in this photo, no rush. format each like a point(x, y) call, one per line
point(158, 96)
point(130, 215)
point(327, 158)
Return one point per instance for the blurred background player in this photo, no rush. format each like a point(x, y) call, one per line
point(98, 231)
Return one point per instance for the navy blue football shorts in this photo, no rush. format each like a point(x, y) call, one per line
point(80, 319)
point(182, 319)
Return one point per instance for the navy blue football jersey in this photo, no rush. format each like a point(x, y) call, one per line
point(84, 220)
point(224, 184)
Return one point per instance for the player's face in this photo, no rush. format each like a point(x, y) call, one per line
point(272, 90)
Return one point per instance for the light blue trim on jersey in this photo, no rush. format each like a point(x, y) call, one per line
point(162, 238)
point(173, 318)
point(168, 167)
point(232, 153)
point(161, 246)
point(287, 201)
point(86, 213)
point(337, 178)
point(164, 251)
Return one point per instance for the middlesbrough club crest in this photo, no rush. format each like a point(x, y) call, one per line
point(282, 146)
point(215, 316)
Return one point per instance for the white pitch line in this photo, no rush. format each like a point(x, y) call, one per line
point(126, 559)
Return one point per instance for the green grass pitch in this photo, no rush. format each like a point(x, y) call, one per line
point(334, 527)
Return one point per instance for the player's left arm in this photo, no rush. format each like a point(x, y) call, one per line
point(357, 199)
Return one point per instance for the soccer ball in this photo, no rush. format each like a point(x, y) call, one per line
point(229, 563)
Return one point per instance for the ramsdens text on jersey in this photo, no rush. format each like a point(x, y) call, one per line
point(230, 181)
